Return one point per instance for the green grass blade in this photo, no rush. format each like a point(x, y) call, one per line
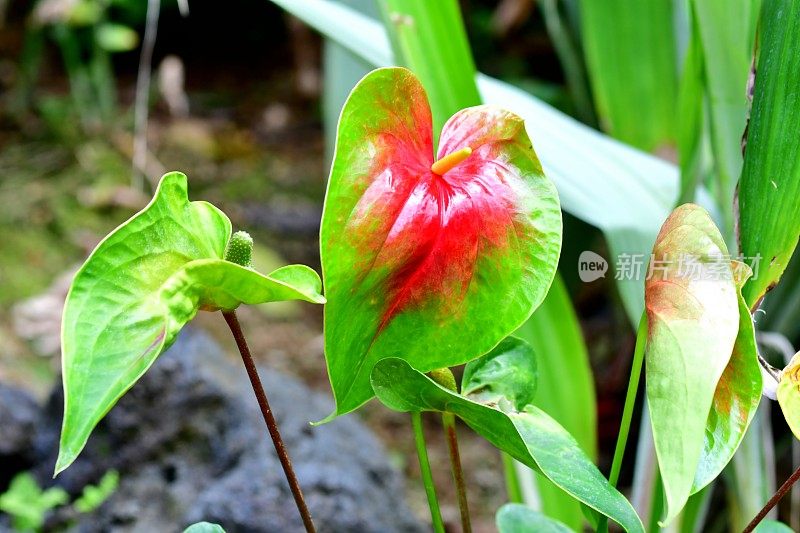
point(726, 30)
point(430, 39)
point(769, 193)
point(630, 54)
point(569, 54)
point(691, 117)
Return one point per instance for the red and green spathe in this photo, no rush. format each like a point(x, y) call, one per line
point(431, 260)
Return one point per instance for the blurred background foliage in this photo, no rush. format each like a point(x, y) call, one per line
point(244, 100)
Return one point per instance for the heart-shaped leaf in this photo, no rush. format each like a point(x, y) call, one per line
point(518, 518)
point(529, 436)
point(138, 288)
point(433, 265)
point(789, 394)
point(693, 320)
point(736, 398)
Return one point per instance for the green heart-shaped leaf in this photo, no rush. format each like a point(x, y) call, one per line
point(518, 518)
point(433, 268)
point(693, 320)
point(736, 398)
point(136, 291)
point(789, 394)
point(529, 435)
point(507, 373)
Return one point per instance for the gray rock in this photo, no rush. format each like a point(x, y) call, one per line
point(18, 416)
point(190, 445)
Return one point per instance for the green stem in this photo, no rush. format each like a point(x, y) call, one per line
point(449, 422)
point(627, 412)
point(512, 480)
point(425, 469)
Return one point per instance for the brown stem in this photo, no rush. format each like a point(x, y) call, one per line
point(780, 493)
point(272, 425)
point(449, 422)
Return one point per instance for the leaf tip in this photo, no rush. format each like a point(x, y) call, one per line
point(63, 462)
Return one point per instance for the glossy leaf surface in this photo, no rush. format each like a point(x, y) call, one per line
point(693, 318)
point(735, 400)
point(769, 191)
point(518, 518)
point(529, 436)
point(138, 288)
point(436, 269)
point(789, 394)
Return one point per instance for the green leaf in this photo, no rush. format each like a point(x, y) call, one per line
point(204, 527)
point(436, 269)
point(769, 192)
point(138, 288)
point(630, 55)
point(693, 320)
point(28, 504)
point(735, 400)
point(508, 372)
point(530, 436)
point(518, 518)
point(789, 394)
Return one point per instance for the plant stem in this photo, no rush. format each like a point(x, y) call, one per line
point(780, 493)
point(449, 422)
point(512, 480)
point(269, 418)
point(425, 469)
point(627, 411)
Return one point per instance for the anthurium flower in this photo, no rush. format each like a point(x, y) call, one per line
point(433, 260)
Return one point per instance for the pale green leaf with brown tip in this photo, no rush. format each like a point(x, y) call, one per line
point(693, 319)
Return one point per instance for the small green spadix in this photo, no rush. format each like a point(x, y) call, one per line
point(240, 249)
